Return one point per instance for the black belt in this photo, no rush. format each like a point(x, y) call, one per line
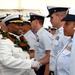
point(51, 73)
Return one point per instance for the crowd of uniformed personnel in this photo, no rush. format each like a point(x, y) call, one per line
point(27, 48)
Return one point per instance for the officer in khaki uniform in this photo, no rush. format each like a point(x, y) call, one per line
point(14, 60)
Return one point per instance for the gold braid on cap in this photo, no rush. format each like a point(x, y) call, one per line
point(16, 21)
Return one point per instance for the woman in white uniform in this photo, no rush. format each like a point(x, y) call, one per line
point(64, 57)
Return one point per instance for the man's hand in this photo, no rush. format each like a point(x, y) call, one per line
point(35, 64)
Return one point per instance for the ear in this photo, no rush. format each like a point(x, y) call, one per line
point(10, 26)
point(60, 16)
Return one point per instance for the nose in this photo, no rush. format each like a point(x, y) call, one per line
point(21, 27)
point(64, 26)
point(51, 20)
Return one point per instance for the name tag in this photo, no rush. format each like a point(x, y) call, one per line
point(56, 42)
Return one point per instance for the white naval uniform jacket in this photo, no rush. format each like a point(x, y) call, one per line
point(31, 38)
point(58, 43)
point(63, 60)
point(43, 43)
point(14, 61)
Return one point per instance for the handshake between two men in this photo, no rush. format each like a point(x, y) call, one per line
point(35, 64)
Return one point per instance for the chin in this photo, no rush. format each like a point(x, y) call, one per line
point(65, 34)
point(18, 34)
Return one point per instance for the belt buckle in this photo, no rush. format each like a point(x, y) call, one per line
point(52, 73)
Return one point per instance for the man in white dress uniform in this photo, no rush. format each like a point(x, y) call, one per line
point(13, 60)
point(56, 14)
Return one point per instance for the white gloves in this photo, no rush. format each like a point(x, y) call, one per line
point(35, 64)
